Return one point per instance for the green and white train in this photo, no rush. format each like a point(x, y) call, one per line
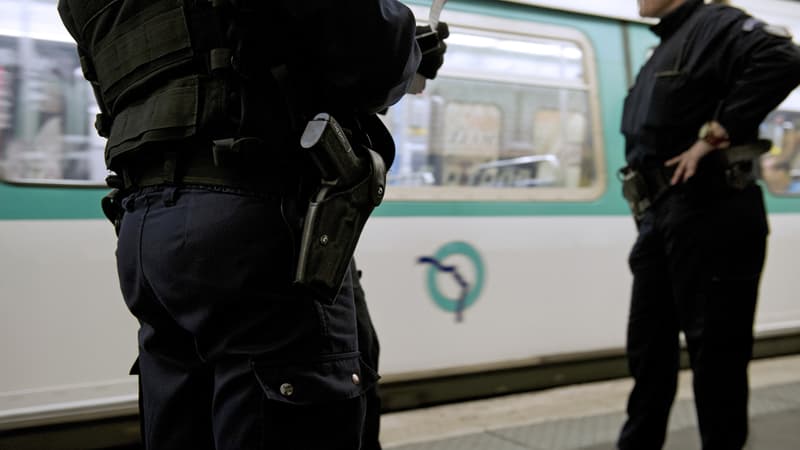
point(502, 243)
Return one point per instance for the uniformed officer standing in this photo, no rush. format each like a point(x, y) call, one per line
point(203, 102)
point(691, 122)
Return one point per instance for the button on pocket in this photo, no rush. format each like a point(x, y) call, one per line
point(337, 377)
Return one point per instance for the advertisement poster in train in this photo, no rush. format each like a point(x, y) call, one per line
point(469, 136)
point(562, 134)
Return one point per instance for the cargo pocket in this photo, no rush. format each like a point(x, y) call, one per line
point(316, 404)
point(338, 377)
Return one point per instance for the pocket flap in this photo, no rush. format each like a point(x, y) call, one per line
point(337, 378)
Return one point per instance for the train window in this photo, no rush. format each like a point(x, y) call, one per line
point(47, 109)
point(780, 167)
point(512, 116)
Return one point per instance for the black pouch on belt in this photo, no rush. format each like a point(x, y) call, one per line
point(110, 203)
point(642, 189)
point(741, 163)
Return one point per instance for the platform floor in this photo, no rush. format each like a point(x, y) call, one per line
point(589, 416)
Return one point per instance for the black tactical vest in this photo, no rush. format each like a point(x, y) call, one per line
point(167, 70)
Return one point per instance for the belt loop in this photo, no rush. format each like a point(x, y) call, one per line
point(170, 195)
point(127, 178)
point(170, 167)
point(221, 150)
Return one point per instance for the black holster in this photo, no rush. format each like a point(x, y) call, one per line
point(741, 163)
point(332, 227)
point(642, 189)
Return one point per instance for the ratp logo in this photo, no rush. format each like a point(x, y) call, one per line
point(469, 289)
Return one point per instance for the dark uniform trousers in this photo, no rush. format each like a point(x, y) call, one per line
point(369, 346)
point(232, 356)
point(696, 268)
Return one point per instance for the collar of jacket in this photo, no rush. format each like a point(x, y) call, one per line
point(670, 23)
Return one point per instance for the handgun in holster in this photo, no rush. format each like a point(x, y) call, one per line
point(351, 186)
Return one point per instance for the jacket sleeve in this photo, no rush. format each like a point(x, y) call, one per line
point(760, 69)
point(356, 54)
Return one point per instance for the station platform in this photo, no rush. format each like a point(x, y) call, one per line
point(589, 417)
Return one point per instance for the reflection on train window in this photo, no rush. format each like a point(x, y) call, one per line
point(508, 117)
point(780, 168)
point(47, 109)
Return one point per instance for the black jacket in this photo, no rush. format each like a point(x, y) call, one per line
point(714, 62)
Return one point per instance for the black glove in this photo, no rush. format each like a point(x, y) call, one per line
point(433, 47)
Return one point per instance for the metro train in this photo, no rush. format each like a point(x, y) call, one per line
point(501, 245)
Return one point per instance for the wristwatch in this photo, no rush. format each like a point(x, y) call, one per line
point(714, 134)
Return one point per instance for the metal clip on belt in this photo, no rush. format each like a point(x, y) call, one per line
point(643, 188)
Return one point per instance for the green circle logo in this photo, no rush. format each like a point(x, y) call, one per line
point(469, 291)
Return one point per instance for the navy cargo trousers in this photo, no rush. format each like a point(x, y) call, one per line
point(696, 268)
point(231, 354)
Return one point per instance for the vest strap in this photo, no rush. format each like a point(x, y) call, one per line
point(169, 114)
point(148, 45)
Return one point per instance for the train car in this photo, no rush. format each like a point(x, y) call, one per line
point(500, 249)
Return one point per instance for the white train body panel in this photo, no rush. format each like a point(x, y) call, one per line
point(553, 286)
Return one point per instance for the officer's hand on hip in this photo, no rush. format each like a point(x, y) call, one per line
point(712, 135)
point(687, 161)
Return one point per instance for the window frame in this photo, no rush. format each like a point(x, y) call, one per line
point(520, 30)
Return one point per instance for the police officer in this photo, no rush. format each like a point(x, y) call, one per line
point(690, 123)
point(202, 103)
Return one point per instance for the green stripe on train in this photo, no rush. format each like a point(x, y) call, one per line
point(22, 202)
point(38, 203)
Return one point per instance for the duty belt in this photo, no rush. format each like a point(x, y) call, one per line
point(731, 169)
point(199, 167)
